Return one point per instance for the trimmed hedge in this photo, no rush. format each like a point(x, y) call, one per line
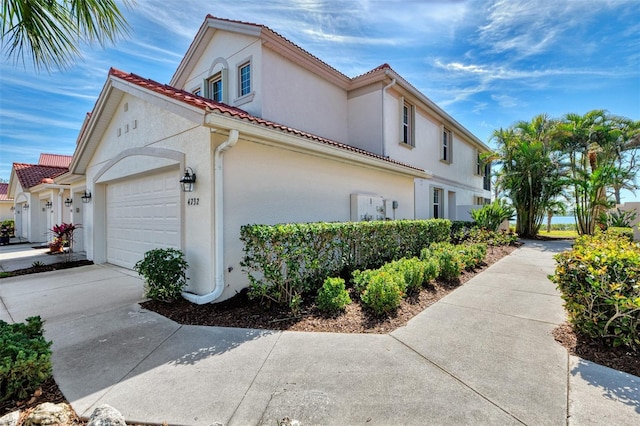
point(25, 358)
point(598, 279)
point(285, 261)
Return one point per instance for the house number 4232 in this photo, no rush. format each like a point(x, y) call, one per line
point(193, 201)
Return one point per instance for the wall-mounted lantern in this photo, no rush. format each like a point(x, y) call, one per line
point(188, 180)
point(68, 202)
point(48, 204)
point(25, 206)
point(86, 197)
point(13, 208)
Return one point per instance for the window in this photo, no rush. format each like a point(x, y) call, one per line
point(447, 142)
point(407, 130)
point(437, 203)
point(479, 165)
point(197, 92)
point(486, 180)
point(244, 79)
point(214, 84)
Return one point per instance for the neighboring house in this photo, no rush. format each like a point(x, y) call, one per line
point(38, 200)
point(6, 203)
point(272, 134)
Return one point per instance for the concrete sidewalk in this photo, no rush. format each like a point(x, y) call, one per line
point(482, 355)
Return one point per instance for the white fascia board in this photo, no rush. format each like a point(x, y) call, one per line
point(273, 137)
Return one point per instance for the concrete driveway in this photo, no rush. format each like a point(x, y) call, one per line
point(482, 355)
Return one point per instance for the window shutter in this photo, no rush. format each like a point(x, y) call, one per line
point(225, 85)
point(413, 125)
point(401, 119)
point(205, 88)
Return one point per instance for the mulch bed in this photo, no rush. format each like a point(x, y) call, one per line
point(47, 268)
point(241, 312)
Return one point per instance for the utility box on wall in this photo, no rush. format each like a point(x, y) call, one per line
point(366, 207)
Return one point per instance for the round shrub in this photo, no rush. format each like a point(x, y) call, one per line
point(431, 267)
point(383, 293)
point(333, 296)
point(164, 272)
point(410, 270)
point(25, 358)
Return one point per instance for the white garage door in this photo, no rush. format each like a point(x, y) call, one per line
point(142, 214)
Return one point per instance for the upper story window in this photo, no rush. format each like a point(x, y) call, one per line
point(214, 85)
point(486, 180)
point(197, 91)
point(479, 165)
point(244, 79)
point(447, 145)
point(407, 130)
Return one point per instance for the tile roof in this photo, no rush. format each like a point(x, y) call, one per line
point(31, 175)
point(224, 109)
point(4, 190)
point(55, 160)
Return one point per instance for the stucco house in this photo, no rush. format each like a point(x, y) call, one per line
point(269, 134)
point(6, 203)
point(38, 200)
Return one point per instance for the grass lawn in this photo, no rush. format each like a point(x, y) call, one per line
point(558, 234)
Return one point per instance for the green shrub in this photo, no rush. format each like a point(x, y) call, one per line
point(624, 232)
point(449, 259)
point(491, 238)
point(472, 255)
point(164, 272)
point(333, 296)
point(490, 216)
point(598, 279)
point(431, 269)
point(25, 358)
point(410, 270)
point(284, 262)
point(383, 293)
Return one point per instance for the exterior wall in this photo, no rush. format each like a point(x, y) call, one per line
point(5, 210)
point(181, 143)
point(269, 185)
point(302, 100)
point(365, 119)
point(636, 222)
point(227, 50)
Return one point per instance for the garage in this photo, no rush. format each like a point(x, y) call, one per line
point(142, 214)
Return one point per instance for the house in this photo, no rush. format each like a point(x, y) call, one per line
point(6, 203)
point(259, 131)
point(38, 200)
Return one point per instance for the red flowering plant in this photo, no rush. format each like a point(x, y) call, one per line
point(62, 236)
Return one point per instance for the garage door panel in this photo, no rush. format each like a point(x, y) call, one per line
point(142, 214)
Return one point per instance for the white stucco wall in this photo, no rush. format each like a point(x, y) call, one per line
point(5, 210)
point(300, 99)
point(365, 119)
point(227, 50)
point(270, 185)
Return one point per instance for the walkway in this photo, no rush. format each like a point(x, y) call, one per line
point(482, 355)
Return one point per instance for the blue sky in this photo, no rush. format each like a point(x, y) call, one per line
point(488, 63)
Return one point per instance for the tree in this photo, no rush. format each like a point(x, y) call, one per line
point(531, 170)
point(600, 149)
point(50, 31)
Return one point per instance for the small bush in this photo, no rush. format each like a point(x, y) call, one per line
point(624, 232)
point(25, 358)
point(472, 255)
point(490, 238)
point(164, 272)
point(431, 269)
point(333, 296)
point(384, 292)
point(449, 259)
point(598, 279)
point(411, 271)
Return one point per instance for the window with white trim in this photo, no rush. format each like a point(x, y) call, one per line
point(407, 124)
point(446, 145)
point(197, 91)
point(244, 79)
point(437, 203)
point(214, 86)
point(479, 165)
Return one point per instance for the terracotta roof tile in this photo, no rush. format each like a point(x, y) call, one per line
point(31, 175)
point(55, 160)
point(220, 108)
point(4, 190)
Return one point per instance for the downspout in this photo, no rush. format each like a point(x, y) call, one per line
point(218, 223)
point(384, 90)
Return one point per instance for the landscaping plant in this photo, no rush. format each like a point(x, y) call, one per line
point(384, 292)
point(164, 272)
point(490, 216)
point(25, 358)
point(333, 297)
point(599, 281)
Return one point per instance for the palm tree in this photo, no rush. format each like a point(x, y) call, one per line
point(530, 172)
point(50, 31)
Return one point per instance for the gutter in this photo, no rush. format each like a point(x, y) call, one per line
point(384, 91)
point(218, 225)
